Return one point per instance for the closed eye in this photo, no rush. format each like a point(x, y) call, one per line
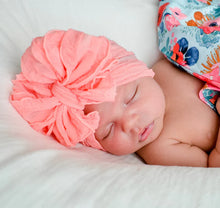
point(133, 96)
point(109, 132)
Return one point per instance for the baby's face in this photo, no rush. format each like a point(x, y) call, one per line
point(133, 120)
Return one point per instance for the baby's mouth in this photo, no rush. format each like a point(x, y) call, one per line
point(146, 132)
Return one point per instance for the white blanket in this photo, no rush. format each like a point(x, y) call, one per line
point(36, 171)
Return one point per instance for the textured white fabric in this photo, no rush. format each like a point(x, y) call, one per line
point(36, 171)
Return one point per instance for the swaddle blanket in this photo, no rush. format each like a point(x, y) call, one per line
point(189, 36)
point(64, 71)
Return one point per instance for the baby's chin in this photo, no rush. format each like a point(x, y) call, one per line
point(118, 151)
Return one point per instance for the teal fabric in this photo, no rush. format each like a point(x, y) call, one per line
point(189, 37)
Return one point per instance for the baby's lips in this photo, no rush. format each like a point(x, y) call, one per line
point(146, 132)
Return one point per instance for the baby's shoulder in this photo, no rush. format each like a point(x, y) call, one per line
point(168, 75)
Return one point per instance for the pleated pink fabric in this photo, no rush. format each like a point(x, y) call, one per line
point(61, 73)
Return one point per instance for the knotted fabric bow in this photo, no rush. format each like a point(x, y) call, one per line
point(61, 73)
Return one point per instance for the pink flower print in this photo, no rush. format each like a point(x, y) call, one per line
point(211, 70)
point(214, 74)
point(177, 13)
point(212, 77)
point(211, 26)
point(206, 1)
point(205, 22)
point(171, 22)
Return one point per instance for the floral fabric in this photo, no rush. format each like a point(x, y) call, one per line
point(189, 36)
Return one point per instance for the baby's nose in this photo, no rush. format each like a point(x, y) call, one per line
point(130, 123)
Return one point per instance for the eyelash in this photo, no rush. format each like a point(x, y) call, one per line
point(133, 96)
point(109, 132)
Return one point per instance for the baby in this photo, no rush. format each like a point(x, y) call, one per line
point(87, 89)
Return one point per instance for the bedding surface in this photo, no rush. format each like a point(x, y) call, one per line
point(35, 170)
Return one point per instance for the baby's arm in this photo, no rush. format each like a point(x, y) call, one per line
point(214, 158)
point(173, 152)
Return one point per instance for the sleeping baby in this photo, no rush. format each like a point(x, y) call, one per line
point(85, 89)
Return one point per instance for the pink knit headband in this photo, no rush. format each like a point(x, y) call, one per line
point(64, 71)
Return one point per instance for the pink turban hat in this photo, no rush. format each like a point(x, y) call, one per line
point(64, 71)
